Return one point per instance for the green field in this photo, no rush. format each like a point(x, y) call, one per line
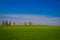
point(30, 33)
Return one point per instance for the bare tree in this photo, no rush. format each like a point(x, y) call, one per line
point(10, 23)
point(3, 22)
point(30, 23)
point(6, 22)
point(14, 23)
point(25, 23)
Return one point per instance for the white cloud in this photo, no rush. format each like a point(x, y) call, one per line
point(37, 19)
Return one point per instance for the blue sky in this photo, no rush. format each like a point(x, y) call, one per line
point(49, 8)
point(44, 7)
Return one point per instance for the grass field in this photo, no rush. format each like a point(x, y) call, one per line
point(30, 33)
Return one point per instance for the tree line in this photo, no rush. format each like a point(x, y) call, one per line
point(9, 23)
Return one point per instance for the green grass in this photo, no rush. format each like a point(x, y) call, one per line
point(30, 33)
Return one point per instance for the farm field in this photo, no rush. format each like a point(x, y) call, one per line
point(30, 32)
